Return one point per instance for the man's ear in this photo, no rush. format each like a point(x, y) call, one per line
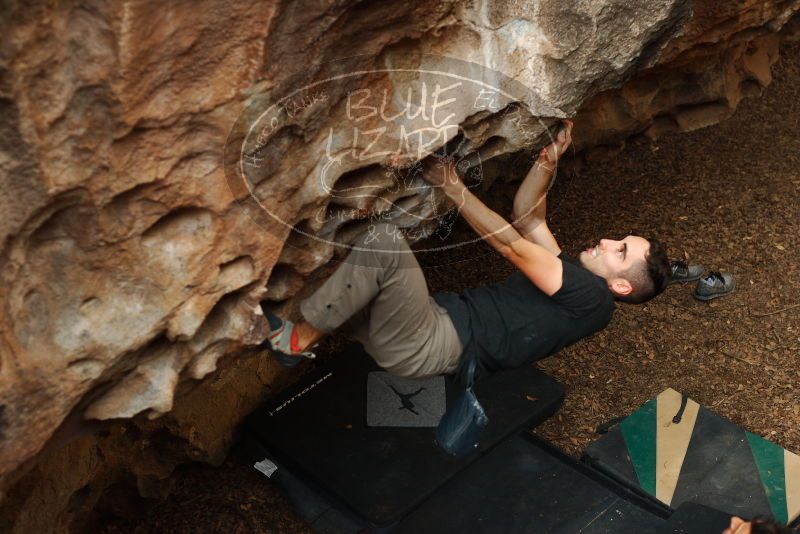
point(620, 286)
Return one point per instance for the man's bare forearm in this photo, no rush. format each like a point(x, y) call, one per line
point(536, 262)
point(488, 224)
point(529, 202)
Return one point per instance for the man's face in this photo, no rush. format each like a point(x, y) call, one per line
point(610, 258)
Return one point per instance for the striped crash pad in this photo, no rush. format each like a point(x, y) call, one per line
point(702, 457)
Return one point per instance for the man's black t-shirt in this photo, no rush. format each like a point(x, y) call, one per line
point(513, 322)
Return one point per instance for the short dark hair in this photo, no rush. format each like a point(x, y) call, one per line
point(649, 277)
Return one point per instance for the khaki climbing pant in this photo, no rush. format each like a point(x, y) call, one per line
point(379, 297)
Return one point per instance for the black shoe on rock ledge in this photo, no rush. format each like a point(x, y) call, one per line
point(681, 272)
point(716, 284)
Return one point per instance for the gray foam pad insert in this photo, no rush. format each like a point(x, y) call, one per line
point(404, 402)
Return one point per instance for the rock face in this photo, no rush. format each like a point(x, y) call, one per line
point(150, 201)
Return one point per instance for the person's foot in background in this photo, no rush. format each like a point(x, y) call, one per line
point(683, 272)
point(715, 284)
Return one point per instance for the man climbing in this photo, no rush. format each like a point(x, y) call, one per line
point(379, 296)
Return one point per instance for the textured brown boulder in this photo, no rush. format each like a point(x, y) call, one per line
point(131, 263)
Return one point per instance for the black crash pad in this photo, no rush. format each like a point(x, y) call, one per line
point(694, 518)
point(312, 504)
point(317, 428)
point(525, 485)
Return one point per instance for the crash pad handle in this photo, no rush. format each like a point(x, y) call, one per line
point(608, 425)
point(679, 415)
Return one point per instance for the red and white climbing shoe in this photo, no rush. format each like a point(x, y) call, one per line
point(282, 341)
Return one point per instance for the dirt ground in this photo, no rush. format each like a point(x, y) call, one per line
point(726, 196)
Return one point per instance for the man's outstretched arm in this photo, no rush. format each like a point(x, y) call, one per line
point(530, 202)
point(537, 263)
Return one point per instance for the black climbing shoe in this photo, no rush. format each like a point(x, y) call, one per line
point(681, 272)
point(716, 284)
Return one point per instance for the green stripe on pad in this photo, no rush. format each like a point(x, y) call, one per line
point(639, 432)
point(769, 459)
